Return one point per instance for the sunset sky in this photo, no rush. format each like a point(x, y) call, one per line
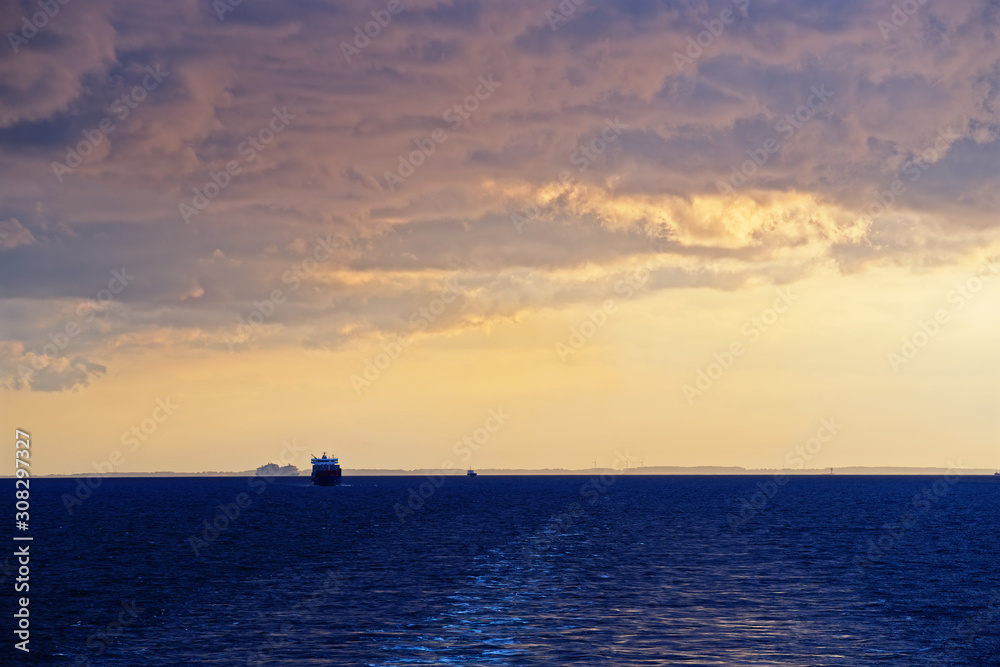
point(688, 230)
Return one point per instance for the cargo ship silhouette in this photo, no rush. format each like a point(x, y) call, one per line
point(326, 470)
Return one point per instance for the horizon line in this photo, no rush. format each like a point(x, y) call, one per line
point(648, 470)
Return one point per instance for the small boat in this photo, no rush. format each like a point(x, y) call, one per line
point(470, 473)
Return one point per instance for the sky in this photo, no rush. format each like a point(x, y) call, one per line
point(423, 234)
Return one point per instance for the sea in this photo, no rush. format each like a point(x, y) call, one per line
point(613, 569)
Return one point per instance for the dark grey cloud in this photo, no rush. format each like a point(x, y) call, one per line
point(324, 175)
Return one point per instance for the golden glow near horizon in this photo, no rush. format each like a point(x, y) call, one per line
point(576, 382)
point(688, 260)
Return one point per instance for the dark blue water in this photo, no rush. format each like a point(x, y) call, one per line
point(518, 571)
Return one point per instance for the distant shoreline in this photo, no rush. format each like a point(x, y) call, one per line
point(650, 470)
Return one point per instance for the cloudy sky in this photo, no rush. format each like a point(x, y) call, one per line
point(691, 231)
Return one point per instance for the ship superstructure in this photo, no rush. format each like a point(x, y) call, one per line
point(326, 470)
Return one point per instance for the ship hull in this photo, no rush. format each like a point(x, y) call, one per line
point(326, 477)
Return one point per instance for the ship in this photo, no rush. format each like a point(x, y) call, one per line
point(326, 470)
point(471, 473)
point(274, 470)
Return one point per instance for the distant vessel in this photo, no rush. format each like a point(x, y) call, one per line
point(471, 473)
point(326, 470)
point(274, 470)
